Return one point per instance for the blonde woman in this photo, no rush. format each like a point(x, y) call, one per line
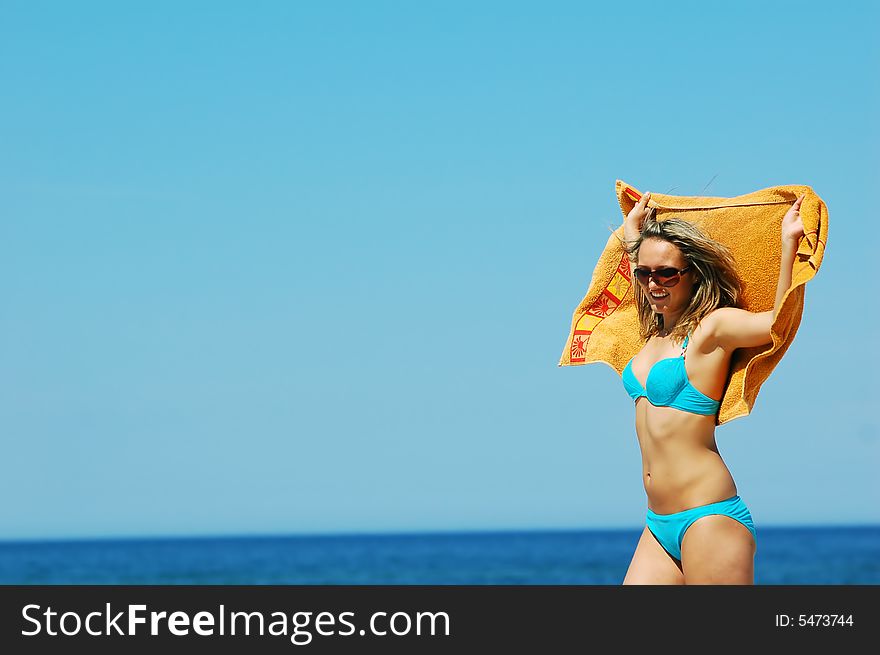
point(698, 529)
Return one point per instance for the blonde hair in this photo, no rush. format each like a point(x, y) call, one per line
point(716, 282)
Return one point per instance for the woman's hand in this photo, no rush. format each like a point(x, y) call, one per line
point(792, 224)
point(637, 215)
point(792, 231)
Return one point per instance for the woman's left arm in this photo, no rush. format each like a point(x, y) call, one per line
point(738, 328)
point(792, 231)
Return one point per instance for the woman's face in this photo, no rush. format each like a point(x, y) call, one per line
point(656, 255)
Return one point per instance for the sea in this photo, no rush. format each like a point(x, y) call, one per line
point(833, 555)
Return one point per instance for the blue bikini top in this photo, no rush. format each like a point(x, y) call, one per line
point(668, 386)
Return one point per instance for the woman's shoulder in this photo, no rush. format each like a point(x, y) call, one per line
point(704, 336)
point(721, 313)
point(718, 316)
point(732, 327)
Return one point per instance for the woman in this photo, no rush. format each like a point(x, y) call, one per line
point(698, 531)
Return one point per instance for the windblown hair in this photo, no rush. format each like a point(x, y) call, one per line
point(716, 282)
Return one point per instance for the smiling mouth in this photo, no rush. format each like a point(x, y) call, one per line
point(658, 296)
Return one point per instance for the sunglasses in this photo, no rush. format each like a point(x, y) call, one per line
point(665, 277)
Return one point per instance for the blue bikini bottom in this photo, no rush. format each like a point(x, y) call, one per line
point(669, 529)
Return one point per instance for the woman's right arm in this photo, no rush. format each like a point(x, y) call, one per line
point(632, 224)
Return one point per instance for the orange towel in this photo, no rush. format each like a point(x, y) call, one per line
point(604, 327)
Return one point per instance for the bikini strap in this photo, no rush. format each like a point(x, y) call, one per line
point(684, 344)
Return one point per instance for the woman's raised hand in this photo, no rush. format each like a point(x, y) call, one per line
point(792, 224)
point(637, 215)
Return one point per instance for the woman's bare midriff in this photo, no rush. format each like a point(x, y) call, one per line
point(681, 466)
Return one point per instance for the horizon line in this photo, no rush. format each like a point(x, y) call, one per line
point(389, 533)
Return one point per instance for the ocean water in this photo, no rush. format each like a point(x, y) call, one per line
point(785, 556)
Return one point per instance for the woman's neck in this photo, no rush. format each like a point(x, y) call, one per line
point(668, 324)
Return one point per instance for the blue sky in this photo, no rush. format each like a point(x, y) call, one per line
point(288, 267)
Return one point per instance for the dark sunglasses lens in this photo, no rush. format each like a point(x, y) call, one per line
point(666, 277)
